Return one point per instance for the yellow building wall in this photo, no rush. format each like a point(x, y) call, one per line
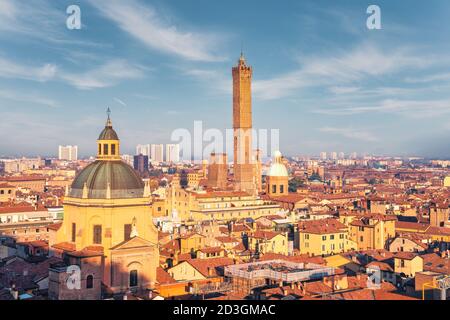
point(185, 272)
point(194, 242)
point(410, 266)
point(112, 215)
point(316, 244)
point(278, 244)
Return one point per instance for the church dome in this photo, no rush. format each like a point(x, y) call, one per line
point(278, 169)
point(108, 177)
point(123, 181)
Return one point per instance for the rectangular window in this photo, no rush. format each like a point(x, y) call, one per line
point(74, 230)
point(133, 278)
point(332, 237)
point(274, 189)
point(127, 232)
point(97, 234)
point(99, 148)
point(281, 188)
point(105, 149)
point(324, 238)
point(113, 149)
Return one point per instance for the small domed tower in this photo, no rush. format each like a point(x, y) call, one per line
point(277, 179)
point(108, 142)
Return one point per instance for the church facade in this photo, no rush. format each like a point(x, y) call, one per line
point(107, 213)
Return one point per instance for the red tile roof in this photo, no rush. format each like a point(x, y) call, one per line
point(209, 267)
point(322, 226)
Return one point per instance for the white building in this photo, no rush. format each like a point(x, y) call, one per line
point(143, 149)
point(173, 153)
point(128, 159)
point(323, 156)
point(157, 152)
point(68, 153)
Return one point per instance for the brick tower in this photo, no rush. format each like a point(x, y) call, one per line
point(244, 167)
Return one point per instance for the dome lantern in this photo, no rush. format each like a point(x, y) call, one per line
point(108, 142)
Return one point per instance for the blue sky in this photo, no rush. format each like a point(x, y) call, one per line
point(320, 76)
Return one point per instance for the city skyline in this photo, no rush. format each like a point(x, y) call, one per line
point(335, 85)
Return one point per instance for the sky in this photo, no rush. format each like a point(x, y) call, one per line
point(320, 76)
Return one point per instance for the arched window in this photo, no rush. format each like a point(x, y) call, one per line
point(89, 282)
point(133, 278)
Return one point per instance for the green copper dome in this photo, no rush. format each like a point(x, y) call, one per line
point(123, 181)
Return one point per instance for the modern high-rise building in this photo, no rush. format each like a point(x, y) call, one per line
point(244, 168)
point(140, 163)
point(172, 153)
point(323, 155)
point(341, 155)
point(157, 152)
point(68, 153)
point(143, 149)
point(334, 156)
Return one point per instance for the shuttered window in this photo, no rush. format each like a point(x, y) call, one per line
point(97, 234)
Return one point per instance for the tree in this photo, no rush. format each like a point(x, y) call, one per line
point(295, 183)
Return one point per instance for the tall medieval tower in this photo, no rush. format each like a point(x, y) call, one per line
point(244, 164)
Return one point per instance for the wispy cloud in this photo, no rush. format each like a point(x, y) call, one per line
point(350, 133)
point(37, 19)
point(410, 108)
point(11, 69)
point(119, 101)
point(430, 78)
point(362, 63)
point(106, 75)
point(27, 97)
point(145, 24)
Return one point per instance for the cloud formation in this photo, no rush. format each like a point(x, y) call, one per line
point(144, 24)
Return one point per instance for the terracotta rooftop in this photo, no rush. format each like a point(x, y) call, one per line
point(321, 226)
